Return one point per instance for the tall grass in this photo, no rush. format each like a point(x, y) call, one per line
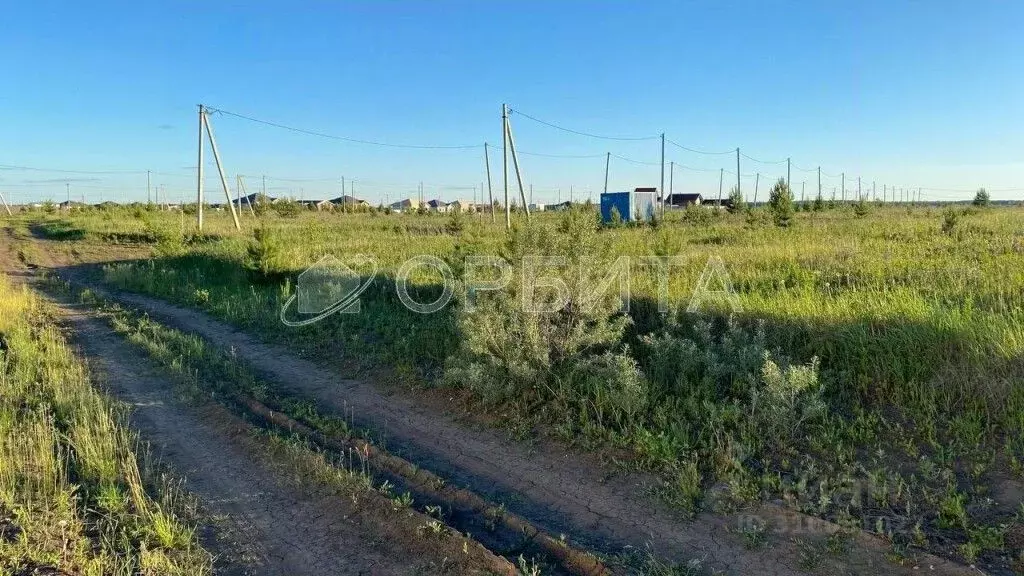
point(73, 494)
point(887, 341)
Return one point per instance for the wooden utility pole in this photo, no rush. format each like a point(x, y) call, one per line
point(245, 194)
point(721, 177)
point(738, 191)
point(802, 184)
point(607, 162)
point(149, 193)
point(757, 182)
point(220, 170)
point(843, 196)
point(859, 194)
point(199, 173)
point(819, 181)
point(6, 207)
point(515, 162)
point(661, 189)
point(671, 182)
point(787, 172)
point(504, 163)
point(487, 166)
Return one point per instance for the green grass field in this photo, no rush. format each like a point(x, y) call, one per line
point(875, 375)
point(74, 495)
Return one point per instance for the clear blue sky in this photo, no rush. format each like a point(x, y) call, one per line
point(908, 93)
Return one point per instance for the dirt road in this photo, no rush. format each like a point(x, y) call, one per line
point(280, 527)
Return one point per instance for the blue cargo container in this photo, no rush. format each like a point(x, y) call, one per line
point(620, 201)
point(631, 206)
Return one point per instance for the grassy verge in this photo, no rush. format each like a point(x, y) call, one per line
point(74, 494)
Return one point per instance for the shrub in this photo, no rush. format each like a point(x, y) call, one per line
point(861, 209)
point(697, 215)
point(950, 218)
point(787, 400)
point(736, 202)
point(615, 218)
point(756, 218)
point(727, 388)
point(569, 360)
point(286, 208)
point(780, 202)
point(265, 254)
point(456, 223)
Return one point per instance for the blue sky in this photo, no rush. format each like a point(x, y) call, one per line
point(910, 94)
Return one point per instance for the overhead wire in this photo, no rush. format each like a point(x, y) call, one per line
point(696, 151)
point(759, 161)
point(632, 161)
point(580, 133)
point(341, 138)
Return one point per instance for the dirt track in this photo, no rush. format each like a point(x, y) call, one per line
point(284, 529)
point(559, 491)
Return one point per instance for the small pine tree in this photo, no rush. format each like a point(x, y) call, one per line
point(456, 223)
point(819, 204)
point(860, 209)
point(736, 202)
point(780, 202)
point(615, 218)
point(982, 199)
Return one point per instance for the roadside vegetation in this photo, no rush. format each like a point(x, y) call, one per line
point(874, 375)
point(75, 497)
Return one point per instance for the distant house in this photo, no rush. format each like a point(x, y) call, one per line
point(537, 207)
point(437, 205)
point(69, 204)
point(316, 204)
point(255, 198)
point(346, 200)
point(683, 200)
point(560, 207)
point(461, 206)
point(405, 205)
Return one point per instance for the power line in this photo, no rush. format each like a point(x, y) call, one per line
point(341, 138)
point(752, 159)
point(560, 155)
point(64, 171)
point(692, 169)
point(579, 133)
point(640, 162)
point(696, 151)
